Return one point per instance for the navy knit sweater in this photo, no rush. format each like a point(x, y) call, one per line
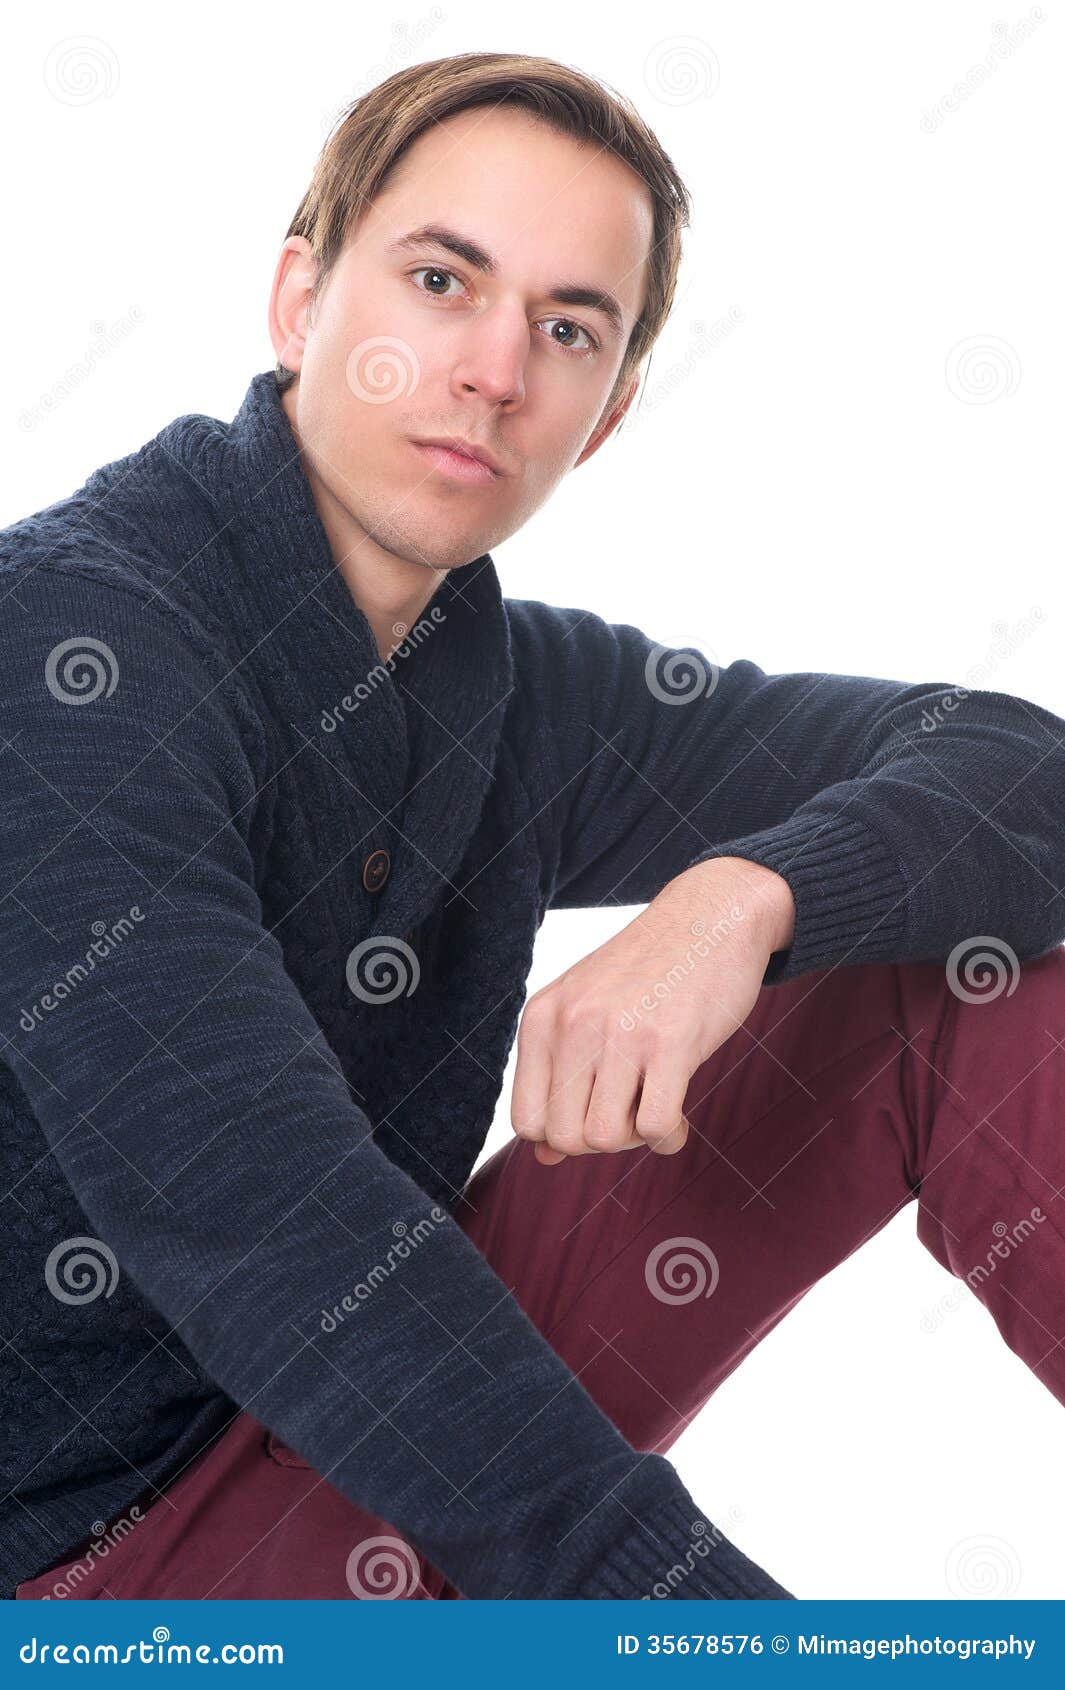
point(208, 1071)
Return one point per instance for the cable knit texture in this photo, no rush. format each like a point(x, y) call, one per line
point(237, 1077)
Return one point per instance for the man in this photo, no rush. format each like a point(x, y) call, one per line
point(290, 787)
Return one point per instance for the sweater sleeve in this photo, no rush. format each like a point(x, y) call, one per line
point(906, 819)
point(202, 1122)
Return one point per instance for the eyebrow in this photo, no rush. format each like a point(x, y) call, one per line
point(563, 293)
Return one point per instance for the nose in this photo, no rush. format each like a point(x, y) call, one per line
point(492, 357)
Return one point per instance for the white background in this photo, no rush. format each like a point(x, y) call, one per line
point(829, 487)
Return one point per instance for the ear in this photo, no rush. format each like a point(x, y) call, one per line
point(290, 300)
point(609, 423)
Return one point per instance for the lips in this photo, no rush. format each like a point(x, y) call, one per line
point(455, 465)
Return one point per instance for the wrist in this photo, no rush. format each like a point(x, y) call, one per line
point(763, 896)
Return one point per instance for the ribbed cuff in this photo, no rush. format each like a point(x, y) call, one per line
point(680, 1555)
point(850, 893)
point(645, 1539)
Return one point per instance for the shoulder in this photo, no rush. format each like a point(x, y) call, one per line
point(92, 564)
point(584, 660)
point(77, 621)
point(548, 638)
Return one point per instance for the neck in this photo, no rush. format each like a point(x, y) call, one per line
point(390, 591)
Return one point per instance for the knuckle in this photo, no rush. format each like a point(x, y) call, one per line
point(653, 1116)
point(526, 1127)
point(601, 1130)
point(535, 1016)
point(567, 1142)
point(664, 1135)
point(577, 1014)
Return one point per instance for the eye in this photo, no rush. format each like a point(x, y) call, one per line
point(574, 328)
point(433, 270)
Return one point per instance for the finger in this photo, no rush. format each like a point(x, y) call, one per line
point(610, 1120)
point(660, 1119)
point(545, 1154)
point(573, 1064)
point(532, 1075)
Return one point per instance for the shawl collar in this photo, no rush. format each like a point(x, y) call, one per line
point(407, 760)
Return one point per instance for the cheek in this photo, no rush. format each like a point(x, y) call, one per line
point(371, 380)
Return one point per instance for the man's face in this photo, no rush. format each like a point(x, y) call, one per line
point(414, 342)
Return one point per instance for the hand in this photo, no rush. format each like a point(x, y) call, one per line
point(606, 1052)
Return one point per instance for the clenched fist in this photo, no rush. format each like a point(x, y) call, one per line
point(606, 1051)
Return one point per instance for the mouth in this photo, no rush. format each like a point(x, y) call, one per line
point(458, 463)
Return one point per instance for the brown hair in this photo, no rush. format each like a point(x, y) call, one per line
point(373, 133)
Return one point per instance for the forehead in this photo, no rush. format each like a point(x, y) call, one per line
point(544, 204)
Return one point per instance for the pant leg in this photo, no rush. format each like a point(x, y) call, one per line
point(246, 1519)
point(845, 1094)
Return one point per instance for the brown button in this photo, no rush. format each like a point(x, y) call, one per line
point(375, 870)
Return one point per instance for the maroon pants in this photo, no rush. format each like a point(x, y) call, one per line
point(846, 1094)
